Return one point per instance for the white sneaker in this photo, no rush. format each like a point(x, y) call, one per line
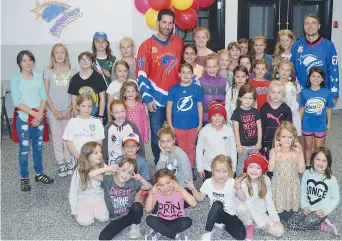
point(220, 225)
point(62, 170)
point(181, 236)
point(206, 236)
point(135, 231)
point(329, 227)
point(70, 168)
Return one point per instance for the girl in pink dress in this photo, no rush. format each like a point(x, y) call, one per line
point(135, 110)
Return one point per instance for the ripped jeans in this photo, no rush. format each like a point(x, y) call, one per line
point(25, 132)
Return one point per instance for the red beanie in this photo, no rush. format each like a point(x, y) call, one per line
point(257, 158)
point(216, 107)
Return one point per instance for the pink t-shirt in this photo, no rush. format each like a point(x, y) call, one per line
point(170, 207)
point(137, 115)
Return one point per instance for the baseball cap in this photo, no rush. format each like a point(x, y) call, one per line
point(131, 137)
point(100, 35)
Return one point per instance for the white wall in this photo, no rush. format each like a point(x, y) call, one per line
point(119, 19)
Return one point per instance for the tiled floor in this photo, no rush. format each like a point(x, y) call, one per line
point(44, 213)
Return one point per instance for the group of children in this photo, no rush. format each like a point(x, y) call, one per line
point(244, 124)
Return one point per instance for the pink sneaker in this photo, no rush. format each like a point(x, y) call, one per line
point(249, 232)
point(328, 227)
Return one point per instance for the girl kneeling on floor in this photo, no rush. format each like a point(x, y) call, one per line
point(86, 196)
point(221, 193)
point(170, 222)
point(255, 202)
point(120, 184)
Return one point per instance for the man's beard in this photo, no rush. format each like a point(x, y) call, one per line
point(165, 32)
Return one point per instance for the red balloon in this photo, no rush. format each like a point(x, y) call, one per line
point(205, 3)
point(195, 6)
point(186, 19)
point(142, 5)
point(160, 4)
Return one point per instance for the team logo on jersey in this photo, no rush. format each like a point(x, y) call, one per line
point(310, 60)
point(167, 60)
point(185, 103)
point(300, 49)
point(334, 90)
point(59, 12)
point(141, 62)
point(225, 138)
point(154, 49)
point(315, 105)
point(334, 60)
point(92, 127)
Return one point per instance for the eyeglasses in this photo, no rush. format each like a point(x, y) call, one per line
point(85, 60)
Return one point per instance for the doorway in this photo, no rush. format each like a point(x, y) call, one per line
point(267, 17)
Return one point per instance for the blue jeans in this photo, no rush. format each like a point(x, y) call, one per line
point(157, 120)
point(25, 132)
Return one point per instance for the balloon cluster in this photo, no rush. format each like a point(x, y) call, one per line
point(185, 11)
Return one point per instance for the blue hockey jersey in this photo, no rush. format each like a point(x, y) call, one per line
point(322, 54)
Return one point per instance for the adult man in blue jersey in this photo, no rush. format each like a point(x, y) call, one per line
point(315, 51)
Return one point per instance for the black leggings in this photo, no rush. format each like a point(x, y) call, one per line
point(233, 224)
point(168, 228)
point(116, 226)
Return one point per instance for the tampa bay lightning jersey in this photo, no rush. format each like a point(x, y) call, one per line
point(322, 54)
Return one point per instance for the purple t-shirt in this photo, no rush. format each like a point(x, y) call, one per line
point(170, 207)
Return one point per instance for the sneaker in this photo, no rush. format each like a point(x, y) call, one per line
point(220, 225)
point(181, 236)
point(44, 179)
point(135, 231)
point(206, 236)
point(249, 232)
point(153, 235)
point(328, 227)
point(194, 178)
point(25, 185)
point(62, 170)
point(70, 168)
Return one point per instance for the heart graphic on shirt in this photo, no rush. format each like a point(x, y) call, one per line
point(316, 191)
